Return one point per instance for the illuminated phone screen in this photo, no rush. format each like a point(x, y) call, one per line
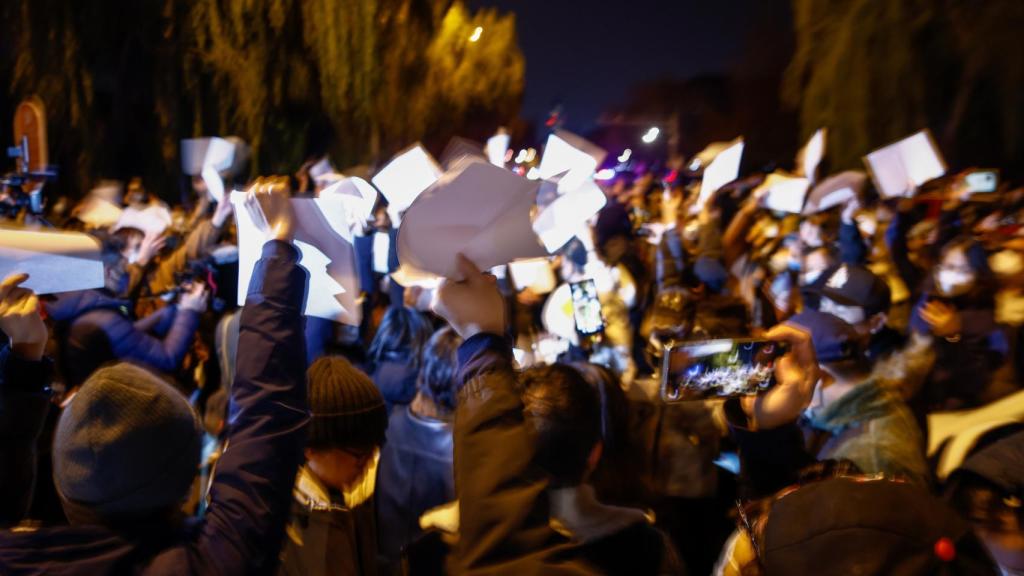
point(719, 368)
point(586, 308)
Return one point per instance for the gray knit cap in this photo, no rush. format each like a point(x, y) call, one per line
point(348, 409)
point(126, 446)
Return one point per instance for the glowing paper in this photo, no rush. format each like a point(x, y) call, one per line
point(459, 148)
point(564, 217)
point(535, 274)
point(55, 261)
point(327, 253)
point(98, 212)
point(784, 193)
point(899, 168)
point(835, 190)
point(497, 147)
point(404, 178)
point(477, 209)
point(148, 220)
point(567, 153)
point(356, 195)
point(811, 155)
point(723, 169)
point(197, 153)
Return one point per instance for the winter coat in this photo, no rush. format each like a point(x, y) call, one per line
point(95, 328)
point(324, 537)
point(415, 475)
point(24, 402)
point(251, 492)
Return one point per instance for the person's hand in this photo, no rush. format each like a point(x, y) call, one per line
point(796, 375)
point(269, 204)
point(850, 210)
point(472, 305)
point(20, 318)
point(194, 299)
point(221, 213)
point(152, 244)
point(943, 319)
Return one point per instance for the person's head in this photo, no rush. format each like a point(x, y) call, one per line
point(403, 331)
point(987, 490)
point(126, 449)
point(565, 414)
point(815, 262)
point(130, 241)
point(841, 353)
point(857, 295)
point(962, 267)
point(437, 379)
point(349, 421)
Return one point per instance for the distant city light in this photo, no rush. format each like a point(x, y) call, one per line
point(533, 174)
point(476, 34)
point(651, 135)
point(606, 174)
point(624, 157)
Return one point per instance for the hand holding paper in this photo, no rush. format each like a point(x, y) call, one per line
point(270, 208)
point(20, 319)
point(470, 302)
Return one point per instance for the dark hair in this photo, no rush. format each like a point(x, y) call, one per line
point(565, 413)
point(437, 374)
point(402, 331)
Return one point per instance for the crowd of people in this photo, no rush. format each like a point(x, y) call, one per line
point(153, 427)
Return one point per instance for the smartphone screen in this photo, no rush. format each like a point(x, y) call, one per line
point(586, 308)
point(982, 181)
point(719, 368)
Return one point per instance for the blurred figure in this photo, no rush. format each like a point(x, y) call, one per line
point(395, 354)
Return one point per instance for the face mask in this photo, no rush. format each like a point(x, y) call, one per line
point(133, 256)
point(867, 226)
point(810, 277)
point(953, 282)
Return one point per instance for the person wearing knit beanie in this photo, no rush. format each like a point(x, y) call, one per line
point(333, 528)
point(126, 448)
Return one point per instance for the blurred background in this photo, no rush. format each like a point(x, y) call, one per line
point(124, 81)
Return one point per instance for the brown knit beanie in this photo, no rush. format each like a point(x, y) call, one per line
point(348, 409)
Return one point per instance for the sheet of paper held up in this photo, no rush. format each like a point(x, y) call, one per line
point(327, 253)
point(784, 193)
point(811, 154)
point(535, 274)
point(477, 209)
point(54, 261)
point(835, 190)
point(723, 169)
point(149, 220)
point(567, 215)
point(569, 154)
point(356, 195)
point(899, 168)
point(497, 147)
point(404, 178)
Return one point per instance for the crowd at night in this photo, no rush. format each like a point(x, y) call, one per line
point(387, 311)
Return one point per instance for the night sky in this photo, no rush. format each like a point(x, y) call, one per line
point(586, 54)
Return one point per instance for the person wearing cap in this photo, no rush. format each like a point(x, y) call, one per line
point(127, 447)
point(332, 529)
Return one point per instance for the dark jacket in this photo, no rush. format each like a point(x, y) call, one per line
point(326, 537)
point(24, 402)
point(95, 328)
point(251, 491)
point(415, 475)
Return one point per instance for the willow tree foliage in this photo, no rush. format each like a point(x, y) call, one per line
point(875, 71)
point(125, 80)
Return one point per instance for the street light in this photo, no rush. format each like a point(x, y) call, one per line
point(476, 34)
point(651, 135)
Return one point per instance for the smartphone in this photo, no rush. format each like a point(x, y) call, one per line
point(982, 181)
point(586, 308)
point(718, 368)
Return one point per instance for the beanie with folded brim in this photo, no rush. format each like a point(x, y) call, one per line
point(126, 446)
point(348, 410)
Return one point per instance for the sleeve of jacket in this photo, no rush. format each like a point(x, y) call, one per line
point(503, 515)
point(852, 249)
point(251, 490)
point(157, 323)
point(165, 353)
point(771, 459)
point(24, 401)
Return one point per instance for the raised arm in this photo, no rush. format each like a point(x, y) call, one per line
point(251, 490)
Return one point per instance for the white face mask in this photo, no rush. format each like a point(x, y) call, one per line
point(868, 226)
point(809, 277)
point(850, 314)
point(953, 282)
point(133, 256)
